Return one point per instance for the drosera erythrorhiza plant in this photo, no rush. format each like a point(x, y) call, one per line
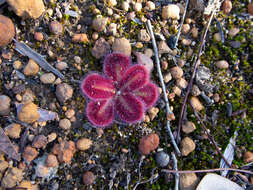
point(124, 91)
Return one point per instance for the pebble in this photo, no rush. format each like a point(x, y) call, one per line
point(177, 91)
point(150, 5)
point(188, 181)
point(139, 45)
point(61, 65)
point(32, 68)
point(88, 178)
point(162, 159)
point(65, 124)
point(13, 130)
point(3, 166)
point(137, 7)
point(17, 64)
point(148, 52)
point(125, 6)
point(83, 38)
point(171, 11)
point(143, 35)
point(194, 32)
point(63, 92)
point(27, 8)
point(38, 36)
point(5, 103)
point(28, 113)
point(95, 36)
point(25, 185)
point(51, 137)
point(51, 161)
point(109, 11)
point(28, 96)
point(122, 45)
point(83, 144)
point(99, 24)
point(216, 97)
point(42, 171)
point(196, 104)
point(233, 31)
point(101, 48)
point(181, 83)
point(250, 8)
point(164, 65)
point(185, 28)
point(70, 113)
point(164, 48)
point(30, 153)
point(167, 77)
point(112, 29)
point(248, 157)
point(11, 177)
point(176, 72)
point(65, 151)
point(148, 143)
point(39, 141)
point(217, 37)
point(181, 62)
point(56, 27)
point(152, 112)
point(226, 6)
point(188, 127)
point(186, 42)
point(47, 78)
point(7, 30)
point(222, 64)
point(187, 146)
point(111, 3)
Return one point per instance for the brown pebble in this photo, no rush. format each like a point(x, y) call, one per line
point(38, 36)
point(25, 184)
point(164, 65)
point(122, 45)
point(176, 72)
point(13, 130)
point(187, 146)
point(5, 103)
point(7, 30)
point(17, 64)
point(185, 28)
point(248, 156)
point(99, 24)
point(222, 64)
point(188, 127)
point(88, 178)
point(250, 8)
point(65, 151)
point(80, 38)
point(181, 83)
point(216, 97)
point(227, 6)
point(28, 113)
point(148, 143)
point(56, 27)
point(11, 177)
point(196, 104)
point(64, 92)
point(32, 68)
point(65, 124)
point(30, 153)
point(39, 141)
point(194, 32)
point(51, 161)
point(83, 144)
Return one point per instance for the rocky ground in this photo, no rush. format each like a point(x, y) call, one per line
point(47, 142)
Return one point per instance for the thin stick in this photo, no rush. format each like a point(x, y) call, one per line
point(206, 171)
point(168, 111)
point(175, 168)
point(211, 138)
point(197, 61)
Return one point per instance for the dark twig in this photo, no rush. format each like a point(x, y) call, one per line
point(211, 138)
point(196, 63)
point(207, 171)
point(168, 111)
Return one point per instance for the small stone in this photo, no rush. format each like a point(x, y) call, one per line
point(188, 181)
point(162, 159)
point(204, 79)
point(187, 146)
point(28, 96)
point(61, 65)
point(181, 83)
point(65, 124)
point(47, 78)
point(95, 36)
point(30, 153)
point(150, 5)
point(216, 97)
point(235, 44)
point(250, 8)
point(148, 143)
point(3, 166)
point(17, 64)
point(143, 35)
point(223, 64)
point(164, 65)
point(152, 112)
point(28, 113)
point(148, 52)
point(177, 91)
point(164, 48)
point(64, 151)
point(100, 132)
point(226, 6)
point(188, 127)
point(111, 3)
point(32, 68)
point(122, 45)
point(70, 113)
point(139, 45)
point(101, 48)
point(27, 8)
point(13, 130)
point(83, 144)
point(170, 116)
point(112, 29)
point(186, 42)
point(25, 185)
point(51, 137)
point(181, 62)
point(185, 28)
point(83, 38)
point(99, 24)
point(5, 103)
point(125, 6)
point(39, 141)
point(38, 36)
point(217, 37)
point(56, 27)
point(64, 92)
point(11, 177)
point(233, 31)
point(7, 30)
point(137, 7)
point(109, 11)
point(42, 171)
point(176, 72)
point(51, 161)
point(196, 104)
point(171, 11)
point(248, 156)
point(88, 178)
point(194, 32)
